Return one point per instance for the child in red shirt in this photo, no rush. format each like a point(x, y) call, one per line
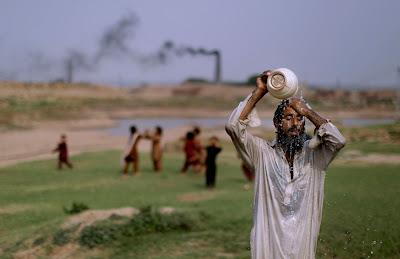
point(191, 154)
point(62, 150)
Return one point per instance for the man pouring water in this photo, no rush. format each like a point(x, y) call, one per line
point(290, 171)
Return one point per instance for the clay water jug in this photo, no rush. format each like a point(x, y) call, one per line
point(282, 83)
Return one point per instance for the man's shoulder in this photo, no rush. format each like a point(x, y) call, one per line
point(265, 143)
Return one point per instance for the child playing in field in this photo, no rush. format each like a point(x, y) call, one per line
point(62, 150)
point(199, 148)
point(192, 158)
point(156, 148)
point(131, 155)
point(213, 150)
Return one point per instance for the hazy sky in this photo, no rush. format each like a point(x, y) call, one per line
point(347, 41)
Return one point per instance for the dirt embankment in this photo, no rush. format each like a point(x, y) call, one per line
point(34, 115)
point(23, 104)
point(67, 245)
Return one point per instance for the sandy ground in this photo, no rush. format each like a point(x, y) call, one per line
point(83, 136)
point(90, 216)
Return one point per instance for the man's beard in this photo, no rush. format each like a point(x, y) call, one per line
point(291, 144)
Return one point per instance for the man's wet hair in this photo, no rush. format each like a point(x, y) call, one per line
point(159, 130)
point(279, 113)
point(189, 135)
point(133, 130)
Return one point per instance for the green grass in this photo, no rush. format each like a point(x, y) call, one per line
point(374, 147)
point(360, 211)
point(382, 139)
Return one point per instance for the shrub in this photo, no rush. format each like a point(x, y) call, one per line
point(76, 208)
point(148, 221)
point(61, 237)
point(39, 241)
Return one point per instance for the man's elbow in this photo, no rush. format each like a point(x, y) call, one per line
point(229, 128)
point(341, 143)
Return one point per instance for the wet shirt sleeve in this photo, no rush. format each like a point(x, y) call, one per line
point(331, 142)
point(245, 143)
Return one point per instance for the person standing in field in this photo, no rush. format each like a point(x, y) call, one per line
point(191, 155)
point(212, 150)
point(199, 150)
point(62, 149)
point(131, 154)
point(156, 148)
point(290, 173)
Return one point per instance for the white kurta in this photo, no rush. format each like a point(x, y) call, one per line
point(287, 213)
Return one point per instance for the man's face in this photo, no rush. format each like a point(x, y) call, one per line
point(292, 122)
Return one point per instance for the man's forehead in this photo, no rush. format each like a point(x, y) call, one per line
point(289, 111)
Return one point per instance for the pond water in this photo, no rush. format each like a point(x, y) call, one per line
point(171, 122)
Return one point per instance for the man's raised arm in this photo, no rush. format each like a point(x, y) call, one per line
point(246, 144)
point(257, 94)
point(305, 110)
point(328, 137)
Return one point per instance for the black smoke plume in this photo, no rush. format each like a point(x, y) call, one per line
point(116, 42)
point(170, 49)
point(76, 61)
point(113, 43)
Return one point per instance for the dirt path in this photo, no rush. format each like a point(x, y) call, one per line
point(37, 144)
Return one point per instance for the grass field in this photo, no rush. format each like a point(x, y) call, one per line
point(360, 217)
